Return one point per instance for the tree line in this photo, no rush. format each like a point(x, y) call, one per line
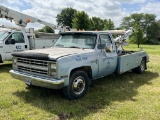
point(146, 27)
point(81, 21)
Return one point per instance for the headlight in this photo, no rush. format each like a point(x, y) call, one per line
point(14, 59)
point(53, 69)
point(53, 66)
point(14, 62)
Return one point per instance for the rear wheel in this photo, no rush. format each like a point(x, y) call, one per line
point(140, 69)
point(78, 85)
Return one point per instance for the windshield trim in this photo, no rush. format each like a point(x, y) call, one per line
point(78, 47)
point(78, 33)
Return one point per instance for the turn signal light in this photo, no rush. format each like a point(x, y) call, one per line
point(28, 20)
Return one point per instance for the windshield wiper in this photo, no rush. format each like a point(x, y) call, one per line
point(74, 47)
point(59, 45)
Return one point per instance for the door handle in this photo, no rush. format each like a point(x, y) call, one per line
point(25, 46)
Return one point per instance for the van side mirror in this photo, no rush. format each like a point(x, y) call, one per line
point(13, 41)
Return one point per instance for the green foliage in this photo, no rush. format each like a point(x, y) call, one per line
point(81, 21)
point(158, 36)
point(100, 24)
point(46, 29)
point(153, 33)
point(40, 30)
point(108, 24)
point(145, 27)
point(65, 17)
point(96, 23)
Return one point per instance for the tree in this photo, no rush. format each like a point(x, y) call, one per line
point(152, 33)
point(96, 23)
point(81, 21)
point(140, 22)
point(99, 24)
point(66, 16)
point(46, 29)
point(158, 35)
point(108, 24)
point(134, 20)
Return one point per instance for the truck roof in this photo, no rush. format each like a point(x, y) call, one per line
point(115, 32)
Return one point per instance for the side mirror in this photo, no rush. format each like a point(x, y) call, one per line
point(101, 46)
point(108, 49)
point(7, 42)
point(13, 41)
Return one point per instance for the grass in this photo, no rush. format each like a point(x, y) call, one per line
point(128, 96)
point(150, 49)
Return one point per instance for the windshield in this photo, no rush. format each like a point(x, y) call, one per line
point(86, 41)
point(3, 35)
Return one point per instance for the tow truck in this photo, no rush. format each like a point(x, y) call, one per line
point(76, 60)
point(20, 39)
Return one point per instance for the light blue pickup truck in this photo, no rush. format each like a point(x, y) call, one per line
point(75, 60)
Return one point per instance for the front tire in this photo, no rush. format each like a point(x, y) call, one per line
point(78, 85)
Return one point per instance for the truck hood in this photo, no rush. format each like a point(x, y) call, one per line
point(50, 53)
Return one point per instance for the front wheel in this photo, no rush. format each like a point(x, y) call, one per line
point(78, 85)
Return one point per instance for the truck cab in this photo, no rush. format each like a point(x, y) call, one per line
point(12, 42)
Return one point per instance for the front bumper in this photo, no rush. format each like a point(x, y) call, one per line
point(38, 80)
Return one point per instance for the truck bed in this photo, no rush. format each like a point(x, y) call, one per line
point(128, 60)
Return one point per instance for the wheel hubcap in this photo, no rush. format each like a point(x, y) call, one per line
point(78, 85)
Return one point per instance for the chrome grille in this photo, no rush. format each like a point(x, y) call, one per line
point(32, 62)
point(33, 70)
point(33, 66)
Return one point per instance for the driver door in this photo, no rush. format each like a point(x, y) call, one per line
point(16, 46)
point(107, 55)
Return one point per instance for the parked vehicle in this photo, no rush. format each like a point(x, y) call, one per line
point(75, 60)
point(16, 41)
point(20, 39)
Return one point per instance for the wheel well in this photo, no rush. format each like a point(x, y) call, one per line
point(1, 59)
point(86, 69)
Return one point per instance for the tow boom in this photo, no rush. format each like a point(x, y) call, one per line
point(124, 35)
point(21, 19)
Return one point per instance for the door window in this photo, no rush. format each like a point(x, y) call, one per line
point(17, 36)
point(105, 39)
point(105, 42)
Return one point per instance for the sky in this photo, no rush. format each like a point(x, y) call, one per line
point(47, 10)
